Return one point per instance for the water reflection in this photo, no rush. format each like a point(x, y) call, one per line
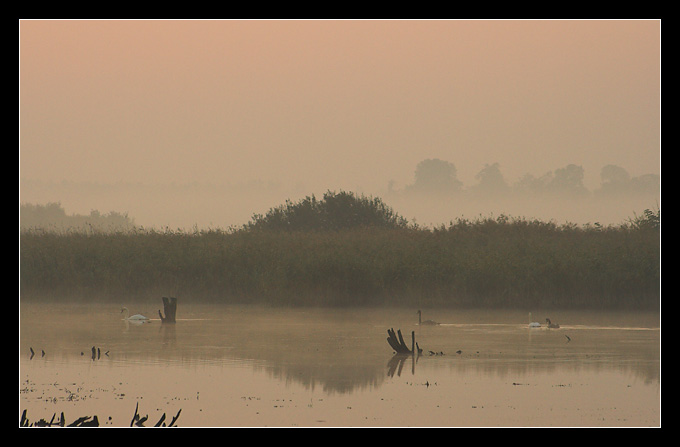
point(168, 336)
point(397, 362)
point(341, 351)
point(236, 365)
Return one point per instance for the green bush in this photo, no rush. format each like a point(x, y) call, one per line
point(336, 211)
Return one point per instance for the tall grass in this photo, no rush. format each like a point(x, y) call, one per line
point(499, 262)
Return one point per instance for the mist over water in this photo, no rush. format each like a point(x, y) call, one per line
point(258, 366)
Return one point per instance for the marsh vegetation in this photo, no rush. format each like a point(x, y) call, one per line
point(348, 250)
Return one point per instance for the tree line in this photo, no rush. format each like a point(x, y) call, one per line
point(440, 177)
point(53, 217)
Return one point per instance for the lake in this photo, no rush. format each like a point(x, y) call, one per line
point(240, 366)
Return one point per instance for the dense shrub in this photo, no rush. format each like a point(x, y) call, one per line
point(336, 211)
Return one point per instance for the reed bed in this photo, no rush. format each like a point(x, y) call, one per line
point(499, 262)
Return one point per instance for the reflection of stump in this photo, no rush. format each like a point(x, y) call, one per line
point(170, 308)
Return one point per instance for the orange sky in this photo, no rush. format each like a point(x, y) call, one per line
point(334, 104)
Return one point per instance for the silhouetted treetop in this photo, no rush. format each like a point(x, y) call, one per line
point(616, 180)
point(491, 180)
point(435, 176)
point(335, 211)
point(569, 180)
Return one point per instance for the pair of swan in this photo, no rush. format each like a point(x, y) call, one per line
point(550, 324)
point(532, 324)
point(135, 318)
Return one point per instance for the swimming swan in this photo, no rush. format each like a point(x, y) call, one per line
point(551, 324)
point(136, 317)
point(426, 322)
point(533, 323)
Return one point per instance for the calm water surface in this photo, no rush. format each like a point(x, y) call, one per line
point(247, 366)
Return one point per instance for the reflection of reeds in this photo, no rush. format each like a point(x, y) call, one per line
point(489, 262)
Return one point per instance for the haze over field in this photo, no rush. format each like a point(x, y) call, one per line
point(206, 122)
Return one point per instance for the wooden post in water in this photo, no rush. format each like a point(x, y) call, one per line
point(170, 308)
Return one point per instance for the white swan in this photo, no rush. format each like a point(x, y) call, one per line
point(533, 323)
point(137, 317)
point(426, 322)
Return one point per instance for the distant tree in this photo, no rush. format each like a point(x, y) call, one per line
point(612, 174)
point(646, 184)
point(531, 185)
point(41, 216)
point(491, 180)
point(53, 217)
point(568, 180)
point(614, 179)
point(434, 176)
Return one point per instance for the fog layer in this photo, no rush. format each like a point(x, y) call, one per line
point(207, 122)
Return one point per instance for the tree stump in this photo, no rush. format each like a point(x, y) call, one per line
point(170, 309)
point(396, 341)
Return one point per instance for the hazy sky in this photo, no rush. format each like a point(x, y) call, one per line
point(334, 104)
